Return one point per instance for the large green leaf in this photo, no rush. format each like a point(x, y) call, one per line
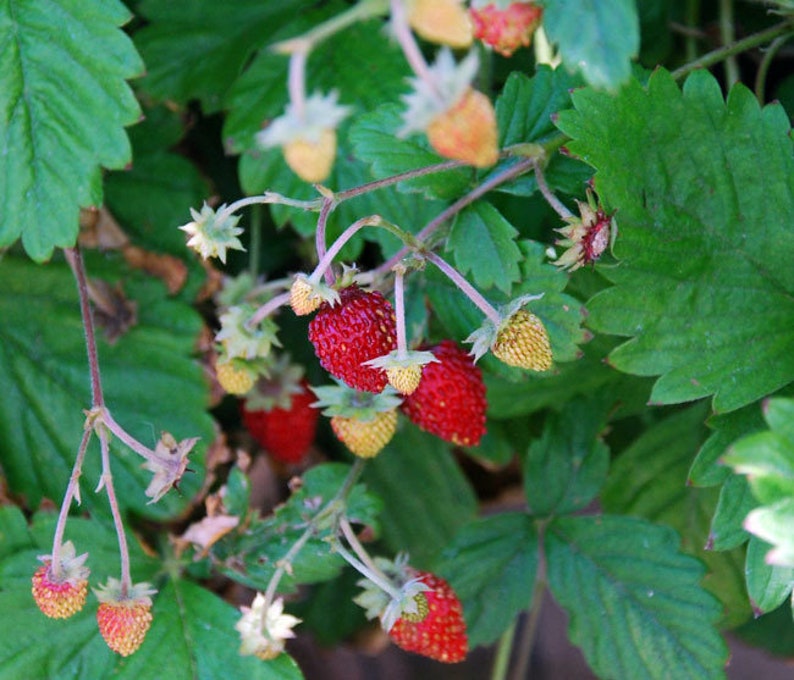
point(705, 247)
point(425, 496)
point(62, 114)
point(597, 38)
point(151, 383)
point(565, 468)
point(649, 480)
point(192, 635)
point(196, 49)
point(492, 564)
point(634, 601)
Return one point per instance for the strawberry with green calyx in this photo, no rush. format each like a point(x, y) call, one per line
point(518, 338)
point(403, 367)
point(505, 25)
point(450, 400)
point(124, 615)
point(587, 235)
point(306, 133)
point(363, 421)
point(213, 232)
point(347, 335)
point(237, 376)
point(278, 413)
point(444, 22)
point(264, 628)
point(61, 592)
point(460, 122)
point(425, 618)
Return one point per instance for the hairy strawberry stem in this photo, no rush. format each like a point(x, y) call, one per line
point(468, 290)
point(413, 55)
point(399, 309)
point(296, 81)
point(319, 236)
point(367, 568)
point(551, 199)
point(72, 491)
point(106, 481)
point(268, 308)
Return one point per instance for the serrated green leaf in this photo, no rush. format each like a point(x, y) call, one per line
point(649, 480)
point(45, 382)
point(598, 39)
point(63, 114)
point(767, 458)
point(484, 245)
point(192, 635)
point(772, 523)
point(734, 503)
point(567, 466)
point(195, 49)
point(492, 564)
point(634, 601)
point(768, 585)
point(525, 110)
point(704, 248)
point(420, 517)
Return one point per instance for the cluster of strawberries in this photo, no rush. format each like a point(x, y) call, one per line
point(60, 589)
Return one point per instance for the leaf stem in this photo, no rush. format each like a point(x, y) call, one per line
point(394, 179)
point(763, 67)
point(327, 259)
point(453, 275)
point(748, 43)
point(503, 649)
point(727, 37)
point(127, 439)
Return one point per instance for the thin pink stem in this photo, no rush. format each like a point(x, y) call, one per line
point(107, 483)
point(268, 308)
point(399, 309)
point(128, 440)
point(551, 199)
point(413, 55)
point(324, 265)
point(453, 275)
point(75, 258)
point(319, 236)
point(71, 490)
point(395, 179)
point(296, 82)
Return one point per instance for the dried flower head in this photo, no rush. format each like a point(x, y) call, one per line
point(212, 232)
point(264, 631)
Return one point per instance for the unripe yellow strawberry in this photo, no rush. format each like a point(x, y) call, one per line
point(524, 342)
point(234, 380)
point(310, 159)
point(366, 438)
point(302, 298)
point(467, 131)
point(404, 379)
point(445, 22)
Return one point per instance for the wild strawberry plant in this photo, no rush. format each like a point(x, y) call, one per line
point(397, 254)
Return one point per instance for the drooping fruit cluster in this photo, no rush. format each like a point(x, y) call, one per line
point(437, 628)
point(505, 28)
point(286, 426)
point(346, 335)
point(450, 400)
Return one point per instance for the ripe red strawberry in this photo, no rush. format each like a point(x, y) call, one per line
point(467, 131)
point(360, 327)
point(124, 621)
point(286, 432)
point(450, 400)
point(63, 595)
point(506, 29)
point(437, 628)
